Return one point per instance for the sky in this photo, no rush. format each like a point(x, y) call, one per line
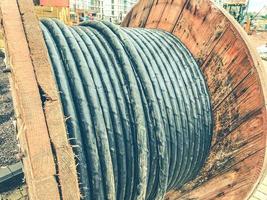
point(256, 5)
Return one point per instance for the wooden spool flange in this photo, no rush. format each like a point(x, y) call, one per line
point(236, 168)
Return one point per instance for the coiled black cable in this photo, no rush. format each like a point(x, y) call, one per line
point(139, 113)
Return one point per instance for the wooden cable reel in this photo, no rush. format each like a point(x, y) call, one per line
point(236, 80)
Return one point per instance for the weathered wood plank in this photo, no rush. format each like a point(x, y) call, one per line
point(155, 14)
point(34, 136)
point(171, 15)
point(200, 27)
point(140, 14)
point(64, 156)
point(242, 104)
point(228, 65)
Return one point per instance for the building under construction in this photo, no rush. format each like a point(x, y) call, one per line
point(80, 10)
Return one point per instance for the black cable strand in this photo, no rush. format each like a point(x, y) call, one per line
point(201, 89)
point(114, 113)
point(180, 90)
point(68, 105)
point(191, 109)
point(146, 54)
point(123, 104)
point(161, 128)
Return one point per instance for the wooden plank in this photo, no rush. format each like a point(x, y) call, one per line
point(20, 136)
point(155, 14)
point(227, 65)
point(200, 27)
point(171, 15)
point(140, 14)
point(35, 138)
point(64, 156)
point(242, 104)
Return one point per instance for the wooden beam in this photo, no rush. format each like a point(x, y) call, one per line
point(49, 164)
point(64, 156)
point(34, 136)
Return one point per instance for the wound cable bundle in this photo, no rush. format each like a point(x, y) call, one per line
point(139, 113)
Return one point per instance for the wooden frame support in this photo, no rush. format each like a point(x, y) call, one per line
point(48, 160)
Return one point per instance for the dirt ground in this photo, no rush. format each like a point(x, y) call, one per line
point(8, 142)
point(259, 39)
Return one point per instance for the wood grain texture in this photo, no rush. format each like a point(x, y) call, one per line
point(38, 158)
point(63, 154)
point(236, 167)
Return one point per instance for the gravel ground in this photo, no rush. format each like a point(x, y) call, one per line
point(8, 142)
point(19, 193)
point(257, 40)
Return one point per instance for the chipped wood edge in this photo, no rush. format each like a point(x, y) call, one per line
point(39, 163)
point(64, 156)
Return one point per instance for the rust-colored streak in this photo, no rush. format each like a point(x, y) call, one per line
point(171, 15)
point(241, 105)
point(228, 64)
